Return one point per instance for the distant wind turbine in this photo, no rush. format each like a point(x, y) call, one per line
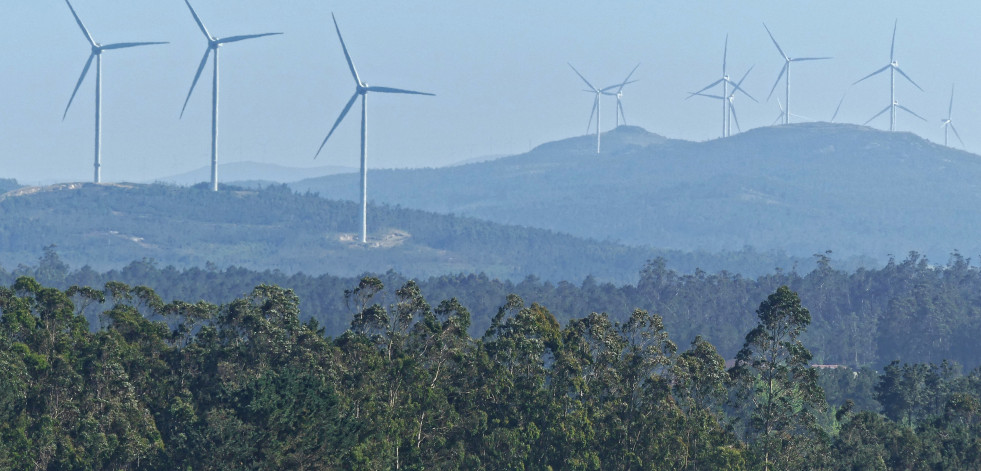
point(947, 122)
point(786, 71)
point(97, 55)
point(893, 107)
point(732, 104)
point(361, 89)
point(783, 113)
point(619, 95)
point(597, 92)
point(725, 90)
point(893, 67)
point(213, 45)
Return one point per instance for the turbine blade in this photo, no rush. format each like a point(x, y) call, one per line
point(732, 110)
point(232, 39)
point(910, 112)
point(873, 73)
point(740, 82)
point(85, 70)
point(583, 78)
point(126, 45)
point(838, 108)
point(198, 21)
point(725, 52)
point(618, 86)
point(958, 135)
point(197, 75)
point(350, 63)
point(717, 97)
point(950, 108)
point(347, 107)
point(80, 25)
point(627, 80)
point(777, 81)
point(877, 115)
point(779, 117)
point(691, 94)
point(907, 78)
point(775, 43)
point(737, 88)
point(810, 59)
point(892, 46)
point(591, 113)
point(396, 90)
point(620, 107)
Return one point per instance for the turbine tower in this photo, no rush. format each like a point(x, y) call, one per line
point(786, 70)
point(97, 55)
point(619, 95)
point(893, 67)
point(596, 104)
point(361, 89)
point(946, 123)
point(732, 105)
point(213, 45)
point(725, 90)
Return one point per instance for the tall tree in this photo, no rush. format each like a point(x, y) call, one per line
point(775, 380)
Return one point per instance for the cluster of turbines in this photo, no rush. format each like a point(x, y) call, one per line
point(727, 95)
point(730, 88)
point(214, 43)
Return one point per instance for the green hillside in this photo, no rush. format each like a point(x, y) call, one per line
point(801, 188)
point(108, 226)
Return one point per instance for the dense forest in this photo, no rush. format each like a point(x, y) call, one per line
point(248, 385)
point(911, 310)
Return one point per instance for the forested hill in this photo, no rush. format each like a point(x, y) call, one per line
point(801, 188)
point(108, 226)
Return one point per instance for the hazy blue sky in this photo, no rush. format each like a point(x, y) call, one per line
point(498, 69)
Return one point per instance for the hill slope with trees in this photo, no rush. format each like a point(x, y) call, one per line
point(107, 226)
point(800, 188)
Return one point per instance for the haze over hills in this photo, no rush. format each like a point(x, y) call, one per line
point(253, 171)
point(799, 188)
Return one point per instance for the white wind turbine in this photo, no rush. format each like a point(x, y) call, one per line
point(213, 45)
point(725, 90)
point(786, 71)
point(947, 122)
point(97, 55)
point(619, 94)
point(596, 104)
point(732, 104)
point(893, 107)
point(361, 89)
point(893, 67)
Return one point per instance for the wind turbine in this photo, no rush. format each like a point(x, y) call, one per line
point(732, 104)
point(947, 123)
point(213, 45)
point(619, 95)
point(361, 89)
point(725, 90)
point(596, 104)
point(893, 67)
point(97, 55)
point(786, 70)
point(783, 113)
point(893, 107)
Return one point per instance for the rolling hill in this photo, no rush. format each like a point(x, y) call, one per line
point(800, 188)
point(107, 226)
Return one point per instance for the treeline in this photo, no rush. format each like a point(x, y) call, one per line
point(909, 310)
point(247, 385)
